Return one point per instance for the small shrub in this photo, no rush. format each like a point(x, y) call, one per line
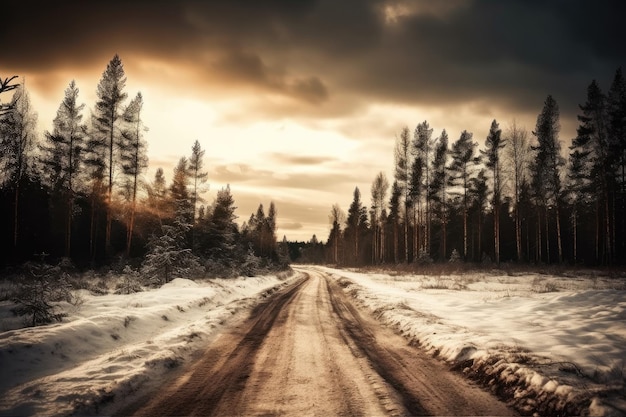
point(129, 283)
point(424, 258)
point(539, 285)
point(38, 290)
point(455, 257)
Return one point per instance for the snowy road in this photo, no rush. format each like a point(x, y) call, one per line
point(308, 351)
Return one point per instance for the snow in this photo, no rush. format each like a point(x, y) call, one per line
point(111, 345)
point(561, 337)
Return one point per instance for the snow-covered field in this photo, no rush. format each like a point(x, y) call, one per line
point(540, 339)
point(544, 339)
point(112, 345)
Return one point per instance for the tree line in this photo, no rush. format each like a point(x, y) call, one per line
point(521, 197)
point(78, 192)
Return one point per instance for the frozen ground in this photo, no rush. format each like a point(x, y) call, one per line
point(536, 338)
point(541, 340)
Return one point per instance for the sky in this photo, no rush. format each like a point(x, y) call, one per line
point(300, 101)
point(122, 344)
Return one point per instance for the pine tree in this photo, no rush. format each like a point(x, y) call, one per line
point(616, 131)
point(461, 170)
point(394, 217)
point(402, 177)
point(198, 177)
point(63, 154)
point(220, 235)
point(422, 149)
point(579, 177)
point(592, 129)
point(157, 194)
point(270, 227)
point(17, 146)
point(478, 194)
point(493, 145)
point(168, 256)
point(548, 166)
point(109, 109)
point(179, 193)
point(134, 160)
point(438, 188)
point(357, 215)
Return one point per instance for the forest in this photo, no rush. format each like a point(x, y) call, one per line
point(77, 196)
point(524, 197)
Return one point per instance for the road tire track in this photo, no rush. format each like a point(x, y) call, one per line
point(307, 350)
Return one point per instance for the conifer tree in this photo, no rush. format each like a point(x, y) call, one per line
point(270, 226)
point(63, 154)
point(579, 177)
point(394, 217)
point(422, 148)
point(592, 129)
point(357, 216)
point(461, 170)
point(548, 164)
point(198, 177)
point(17, 146)
point(616, 131)
point(438, 188)
point(108, 113)
point(402, 177)
point(478, 194)
point(179, 193)
point(493, 145)
point(134, 160)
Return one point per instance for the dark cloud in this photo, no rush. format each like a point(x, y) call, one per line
point(508, 53)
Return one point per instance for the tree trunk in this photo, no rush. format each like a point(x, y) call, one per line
point(406, 233)
point(547, 235)
point(558, 233)
point(16, 201)
point(575, 233)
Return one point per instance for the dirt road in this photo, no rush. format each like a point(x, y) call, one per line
point(308, 351)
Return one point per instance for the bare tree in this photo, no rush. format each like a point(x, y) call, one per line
point(516, 155)
point(5, 85)
point(379, 191)
point(336, 218)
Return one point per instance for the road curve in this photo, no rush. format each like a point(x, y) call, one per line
point(308, 351)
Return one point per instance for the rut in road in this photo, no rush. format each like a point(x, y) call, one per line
point(309, 351)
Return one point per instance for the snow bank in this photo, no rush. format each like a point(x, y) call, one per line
point(113, 345)
point(546, 344)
